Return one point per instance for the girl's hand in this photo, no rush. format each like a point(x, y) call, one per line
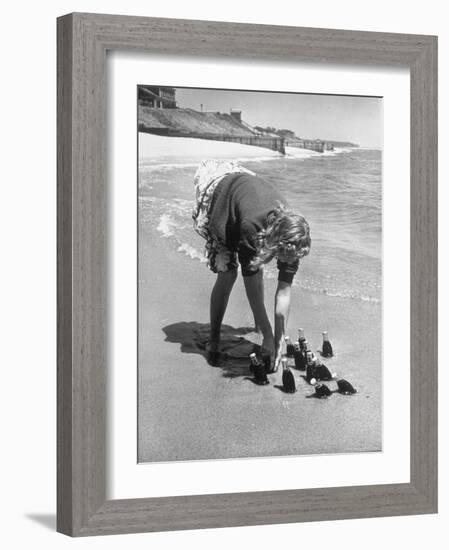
point(277, 361)
point(267, 349)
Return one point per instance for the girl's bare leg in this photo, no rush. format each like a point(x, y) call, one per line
point(218, 303)
point(255, 293)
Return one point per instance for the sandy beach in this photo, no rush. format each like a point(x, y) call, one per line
point(191, 410)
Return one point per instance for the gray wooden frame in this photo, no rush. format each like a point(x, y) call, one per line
point(83, 40)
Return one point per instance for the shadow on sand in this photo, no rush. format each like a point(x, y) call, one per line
point(235, 348)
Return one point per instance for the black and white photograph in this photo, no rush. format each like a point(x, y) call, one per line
point(259, 273)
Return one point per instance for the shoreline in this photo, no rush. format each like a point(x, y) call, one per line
point(153, 147)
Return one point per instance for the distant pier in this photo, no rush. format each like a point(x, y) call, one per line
point(317, 145)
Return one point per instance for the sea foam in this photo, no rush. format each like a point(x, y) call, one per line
point(192, 252)
point(166, 225)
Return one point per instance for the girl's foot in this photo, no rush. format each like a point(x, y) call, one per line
point(213, 353)
point(212, 345)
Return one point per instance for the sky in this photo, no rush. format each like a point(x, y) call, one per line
point(332, 117)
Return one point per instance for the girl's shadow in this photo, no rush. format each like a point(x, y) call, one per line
point(234, 348)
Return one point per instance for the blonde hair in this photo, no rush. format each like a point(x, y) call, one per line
point(286, 233)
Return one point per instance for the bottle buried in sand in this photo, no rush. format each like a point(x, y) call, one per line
point(345, 387)
point(301, 339)
point(321, 390)
point(321, 371)
point(258, 370)
point(327, 350)
point(288, 380)
point(300, 362)
point(290, 348)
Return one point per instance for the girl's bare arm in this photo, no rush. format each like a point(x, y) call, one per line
point(281, 310)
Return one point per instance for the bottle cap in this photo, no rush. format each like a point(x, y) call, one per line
point(284, 361)
point(300, 333)
point(325, 335)
point(313, 381)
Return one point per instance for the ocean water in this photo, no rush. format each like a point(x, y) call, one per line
point(339, 193)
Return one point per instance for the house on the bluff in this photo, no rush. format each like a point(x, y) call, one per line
point(157, 97)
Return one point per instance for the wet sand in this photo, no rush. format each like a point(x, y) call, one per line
point(190, 410)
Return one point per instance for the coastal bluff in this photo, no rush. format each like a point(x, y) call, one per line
point(205, 125)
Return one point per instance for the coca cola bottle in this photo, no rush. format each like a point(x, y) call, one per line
point(327, 347)
point(345, 387)
point(258, 370)
point(290, 348)
point(321, 371)
point(305, 349)
point(301, 338)
point(322, 391)
point(288, 380)
point(310, 368)
point(298, 356)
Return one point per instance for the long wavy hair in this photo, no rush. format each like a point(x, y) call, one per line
point(287, 235)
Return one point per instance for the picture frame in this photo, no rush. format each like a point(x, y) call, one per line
point(82, 506)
